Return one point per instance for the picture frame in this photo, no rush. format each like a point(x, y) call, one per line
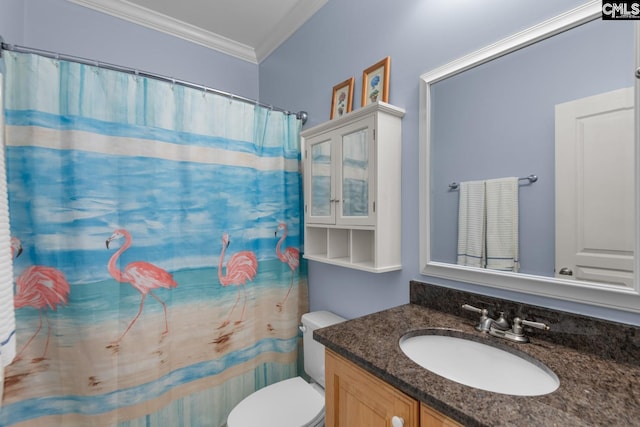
point(342, 98)
point(375, 82)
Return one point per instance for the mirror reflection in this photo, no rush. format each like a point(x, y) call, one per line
point(560, 109)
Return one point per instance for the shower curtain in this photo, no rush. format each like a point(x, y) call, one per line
point(156, 235)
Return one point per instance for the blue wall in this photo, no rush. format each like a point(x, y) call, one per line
point(64, 27)
point(340, 41)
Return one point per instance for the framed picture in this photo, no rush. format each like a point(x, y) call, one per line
point(375, 82)
point(342, 100)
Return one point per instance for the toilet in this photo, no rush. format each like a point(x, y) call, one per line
point(292, 402)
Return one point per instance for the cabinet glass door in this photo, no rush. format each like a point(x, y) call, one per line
point(320, 208)
point(356, 176)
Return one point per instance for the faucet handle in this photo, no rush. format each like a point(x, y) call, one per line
point(538, 325)
point(485, 321)
point(482, 311)
point(518, 330)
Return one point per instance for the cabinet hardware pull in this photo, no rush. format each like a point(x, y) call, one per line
point(397, 421)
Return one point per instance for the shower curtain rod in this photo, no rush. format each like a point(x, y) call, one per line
point(301, 115)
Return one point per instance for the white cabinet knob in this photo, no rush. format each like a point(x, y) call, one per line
point(397, 422)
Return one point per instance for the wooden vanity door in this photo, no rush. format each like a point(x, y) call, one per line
point(355, 398)
point(429, 417)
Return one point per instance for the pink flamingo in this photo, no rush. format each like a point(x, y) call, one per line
point(291, 257)
point(143, 276)
point(241, 267)
point(40, 287)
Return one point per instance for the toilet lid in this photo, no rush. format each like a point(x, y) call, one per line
point(289, 403)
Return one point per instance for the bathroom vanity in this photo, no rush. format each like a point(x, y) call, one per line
point(355, 397)
point(369, 378)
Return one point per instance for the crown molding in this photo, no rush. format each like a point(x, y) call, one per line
point(136, 14)
point(163, 23)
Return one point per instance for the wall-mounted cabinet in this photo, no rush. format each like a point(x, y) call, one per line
point(352, 189)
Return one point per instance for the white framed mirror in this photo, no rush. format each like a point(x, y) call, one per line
point(502, 111)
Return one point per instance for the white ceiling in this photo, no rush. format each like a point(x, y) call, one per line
point(247, 29)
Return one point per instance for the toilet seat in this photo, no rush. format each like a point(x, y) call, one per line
point(289, 403)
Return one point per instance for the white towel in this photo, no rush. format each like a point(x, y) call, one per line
point(502, 224)
point(471, 224)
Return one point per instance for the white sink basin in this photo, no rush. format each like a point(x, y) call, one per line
point(480, 365)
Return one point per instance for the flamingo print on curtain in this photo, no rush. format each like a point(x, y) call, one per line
point(290, 256)
point(241, 267)
point(42, 288)
point(143, 276)
point(147, 275)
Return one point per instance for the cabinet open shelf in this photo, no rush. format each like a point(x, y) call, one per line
point(347, 247)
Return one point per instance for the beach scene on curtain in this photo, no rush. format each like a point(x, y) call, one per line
point(158, 277)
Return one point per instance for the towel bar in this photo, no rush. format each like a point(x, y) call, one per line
point(531, 178)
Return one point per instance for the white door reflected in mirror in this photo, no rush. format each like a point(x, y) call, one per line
point(595, 219)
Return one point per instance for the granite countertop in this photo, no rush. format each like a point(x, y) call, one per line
point(593, 391)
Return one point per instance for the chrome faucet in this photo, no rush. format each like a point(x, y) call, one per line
point(500, 327)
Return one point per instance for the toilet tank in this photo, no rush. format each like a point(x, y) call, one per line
point(313, 350)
